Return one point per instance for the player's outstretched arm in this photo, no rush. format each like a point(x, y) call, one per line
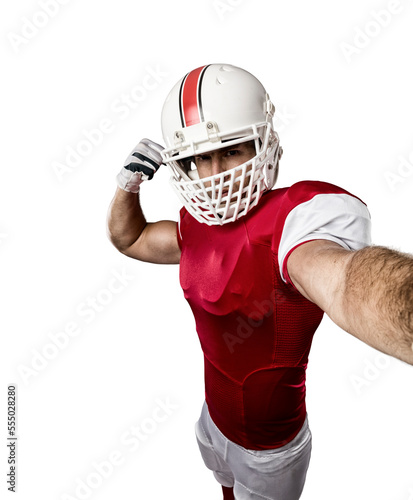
point(368, 293)
point(127, 227)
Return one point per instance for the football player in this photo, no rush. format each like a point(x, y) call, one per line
point(259, 267)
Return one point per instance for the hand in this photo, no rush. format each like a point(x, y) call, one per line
point(141, 165)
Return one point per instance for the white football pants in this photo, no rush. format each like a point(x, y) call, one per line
point(276, 474)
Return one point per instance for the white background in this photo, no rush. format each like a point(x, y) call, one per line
point(345, 120)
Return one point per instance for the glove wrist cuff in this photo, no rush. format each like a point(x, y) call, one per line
point(129, 181)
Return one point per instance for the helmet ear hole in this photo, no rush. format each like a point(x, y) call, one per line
point(271, 175)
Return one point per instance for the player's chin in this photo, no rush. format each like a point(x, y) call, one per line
point(234, 196)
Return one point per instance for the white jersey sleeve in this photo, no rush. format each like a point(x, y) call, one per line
point(341, 218)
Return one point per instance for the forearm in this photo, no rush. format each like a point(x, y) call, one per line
point(125, 219)
point(377, 300)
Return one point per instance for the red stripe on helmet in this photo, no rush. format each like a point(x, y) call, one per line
point(190, 105)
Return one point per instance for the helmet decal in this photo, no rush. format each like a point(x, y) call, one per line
point(190, 102)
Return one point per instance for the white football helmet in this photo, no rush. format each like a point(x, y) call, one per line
point(213, 107)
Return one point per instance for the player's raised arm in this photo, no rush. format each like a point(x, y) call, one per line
point(368, 293)
point(127, 227)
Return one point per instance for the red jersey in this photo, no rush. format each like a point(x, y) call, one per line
point(254, 327)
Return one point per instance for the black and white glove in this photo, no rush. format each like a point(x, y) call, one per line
point(141, 165)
